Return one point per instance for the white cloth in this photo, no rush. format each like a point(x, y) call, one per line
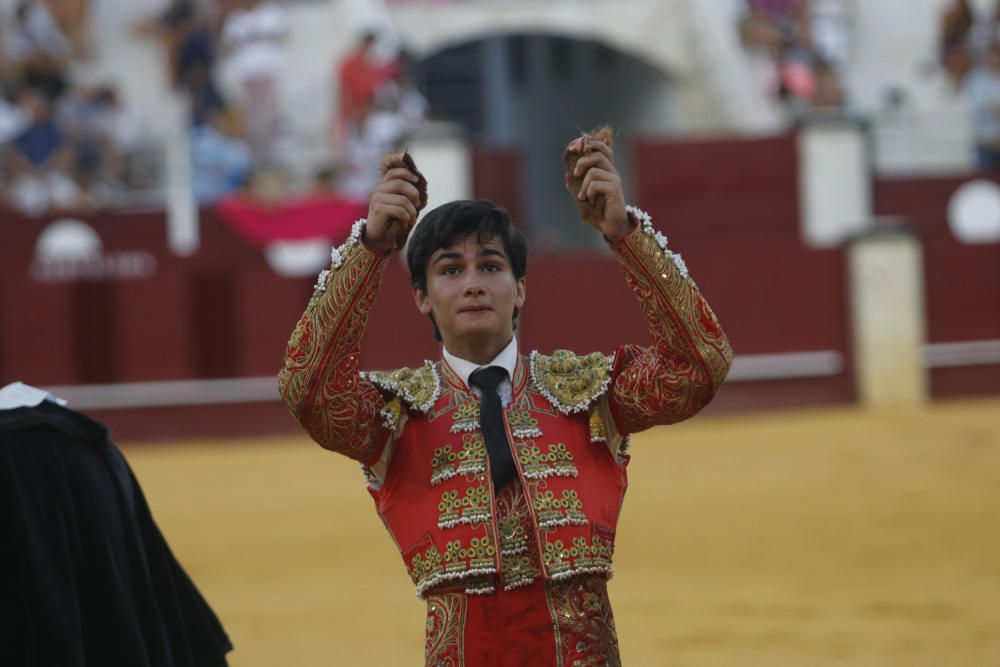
point(382, 132)
point(254, 39)
point(831, 24)
point(507, 360)
point(20, 395)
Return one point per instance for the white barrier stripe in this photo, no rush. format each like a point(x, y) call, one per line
point(746, 368)
point(170, 392)
point(265, 389)
point(966, 353)
point(788, 365)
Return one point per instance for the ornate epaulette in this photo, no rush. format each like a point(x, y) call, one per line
point(419, 387)
point(570, 382)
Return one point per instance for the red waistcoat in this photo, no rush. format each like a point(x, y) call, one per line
point(437, 498)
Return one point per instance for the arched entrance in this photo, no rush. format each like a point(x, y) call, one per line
point(532, 93)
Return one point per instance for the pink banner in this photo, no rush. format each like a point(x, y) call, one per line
point(293, 220)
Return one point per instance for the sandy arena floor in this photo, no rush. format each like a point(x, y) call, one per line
point(816, 538)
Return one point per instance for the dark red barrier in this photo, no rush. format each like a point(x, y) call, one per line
point(37, 324)
point(497, 175)
point(729, 207)
point(962, 281)
point(708, 190)
point(154, 323)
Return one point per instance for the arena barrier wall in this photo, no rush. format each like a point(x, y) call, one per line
point(166, 346)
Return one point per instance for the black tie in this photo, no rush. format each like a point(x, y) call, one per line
point(491, 421)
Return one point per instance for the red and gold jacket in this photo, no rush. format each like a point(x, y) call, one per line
point(416, 431)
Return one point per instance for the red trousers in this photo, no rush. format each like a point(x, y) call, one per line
point(565, 623)
point(559, 623)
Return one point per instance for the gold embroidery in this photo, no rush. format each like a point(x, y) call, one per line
point(570, 382)
point(453, 396)
point(319, 380)
point(425, 565)
point(471, 459)
point(465, 417)
point(479, 553)
point(579, 557)
point(419, 387)
point(597, 432)
point(471, 507)
point(518, 555)
point(519, 571)
point(691, 355)
point(556, 462)
point(445, 635)
point(522, 424)
point(430, 567)
point(564, 510)
point(532, 401)
point(513, 533)
point(583, 622)
point(391, 412)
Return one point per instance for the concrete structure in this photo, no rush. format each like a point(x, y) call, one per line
point(887, 307)
point(835, 179)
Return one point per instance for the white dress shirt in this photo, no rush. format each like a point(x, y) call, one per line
point(507, 360)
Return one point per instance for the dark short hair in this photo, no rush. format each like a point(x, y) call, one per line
point(449, 222)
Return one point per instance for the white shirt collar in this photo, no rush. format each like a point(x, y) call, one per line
point(507, 359)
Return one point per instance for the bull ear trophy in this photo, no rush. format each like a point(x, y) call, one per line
point(577, 149)
point(404, 160)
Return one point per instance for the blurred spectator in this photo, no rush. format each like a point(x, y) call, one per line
point(187, 28)
point(982, 87)
point(398, 93)
point(81, 118)
point(74, 152)
point(778, 10)
point(13, 119)
point(35, 51)
point(359, 77)
point(120, 132)
point(955, 29)
point(795, 82)
point(828, 96)
point(205, 98)
point(325, 182)
point(71, 16)
point(122, 124)
point(785, 15)
point(830, 32)
point(383, 130)
point(799, 48)
point(195, 45)
point(170, 26)
point(34, 32)
point(252, 38)
point(39, 158)
point(985, 31)
point(104, 135)
point(41, 143)
point(758, 31)
point(221, 159)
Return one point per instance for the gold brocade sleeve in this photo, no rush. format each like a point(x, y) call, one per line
point(690, 356)
point(319, 382)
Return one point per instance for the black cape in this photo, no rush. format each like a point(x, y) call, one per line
point(86, 577)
